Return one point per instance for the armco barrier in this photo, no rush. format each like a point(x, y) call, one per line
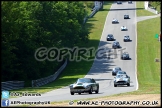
point(91, 15)
point(11, 85)
point(43, 81)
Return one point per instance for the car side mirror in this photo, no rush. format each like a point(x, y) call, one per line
point(114, 77)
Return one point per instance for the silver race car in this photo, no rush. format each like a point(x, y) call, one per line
point(125, 56)
point(115, 21)
point(83, 85)
point(123, 28)
point(115, 45)
point(126, 38)
point(121, 79)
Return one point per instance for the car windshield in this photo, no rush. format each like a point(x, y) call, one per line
point(123, 76)
point(117, 68)
point(118, 76)
point(84, 80)
point(121, 72)
point(109, 35)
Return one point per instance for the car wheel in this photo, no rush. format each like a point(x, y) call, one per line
point(128, 84)
point(91, 90)
point(79, 93)
point(72, 93)
point(115, 85)
point(97, 90)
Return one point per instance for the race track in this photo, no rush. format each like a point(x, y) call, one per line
point(101, 70)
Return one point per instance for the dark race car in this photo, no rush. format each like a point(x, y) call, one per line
point(119, 2)
point(129, 2)
point(83, 85)
point(115, 70)
point(125, 56)
point(115, 44)
point(110, 37)
point(126, 38)
point(126, 16)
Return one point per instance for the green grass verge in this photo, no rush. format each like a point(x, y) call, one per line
point(148, 49)
point(75, 70)
point(141, 9)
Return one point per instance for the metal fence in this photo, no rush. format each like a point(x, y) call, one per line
point(43, 81)
point(11, 85)
point(90, 16)
point(93, 12)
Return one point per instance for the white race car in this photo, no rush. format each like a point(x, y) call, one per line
point(123, 28)
point(126, 38)
point(114, 21)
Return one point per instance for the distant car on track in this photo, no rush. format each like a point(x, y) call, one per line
point(125, 56)
point(126, 38)
point(121, 79)
point(123, 28)
point(110, 37)
point(83, 85)
point(129, 2)
point(126, 16)
point(119, 2)
point(115, 21)
point(115, 70)
point(115, 44)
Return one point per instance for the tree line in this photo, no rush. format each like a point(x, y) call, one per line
point(27, 26)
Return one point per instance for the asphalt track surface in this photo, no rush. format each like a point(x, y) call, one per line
point(101, 70)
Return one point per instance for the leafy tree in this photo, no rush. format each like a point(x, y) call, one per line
point(27, 26)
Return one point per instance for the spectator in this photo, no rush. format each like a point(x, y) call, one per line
point(160, 37)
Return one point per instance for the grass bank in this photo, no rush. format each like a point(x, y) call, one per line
point(148, 49)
